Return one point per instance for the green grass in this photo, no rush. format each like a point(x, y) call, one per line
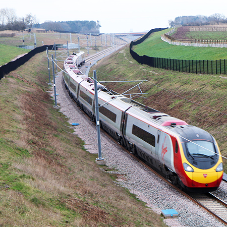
point(155, 47)
point(7, 53)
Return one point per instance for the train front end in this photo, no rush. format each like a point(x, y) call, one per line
point(202, 167)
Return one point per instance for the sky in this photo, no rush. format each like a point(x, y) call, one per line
point(116, 16)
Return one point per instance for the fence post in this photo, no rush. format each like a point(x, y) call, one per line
point(220, 66)
point(207, 66)
point(211, 67)
point(196, 66)
point(203, 67)
point(216, 66)
point(224, 67)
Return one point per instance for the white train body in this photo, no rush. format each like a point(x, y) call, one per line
point(154, 136)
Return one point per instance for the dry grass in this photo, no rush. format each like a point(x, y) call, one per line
point(46, 177)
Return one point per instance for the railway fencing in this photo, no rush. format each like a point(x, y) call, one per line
point(10, 66)
point(189, 66)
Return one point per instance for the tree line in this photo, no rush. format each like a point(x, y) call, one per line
point(198, 20)
point(10, 21)
point(71, 26)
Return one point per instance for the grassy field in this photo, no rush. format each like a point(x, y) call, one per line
point(47, 178)
point(155, 47)
point(9, 49)
point(200, 100)
point(7, 53)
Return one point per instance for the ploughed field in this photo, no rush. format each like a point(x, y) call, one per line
point(192, 33)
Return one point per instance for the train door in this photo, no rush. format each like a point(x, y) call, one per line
point(124, 118)
point(78, 90)
point(157, 143)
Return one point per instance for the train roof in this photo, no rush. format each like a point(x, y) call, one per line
point(190, 133)
point(145, 113)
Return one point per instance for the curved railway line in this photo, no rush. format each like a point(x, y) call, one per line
point(100, 53)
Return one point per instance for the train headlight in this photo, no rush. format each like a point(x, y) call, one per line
point(187, 167)
point(219, 168)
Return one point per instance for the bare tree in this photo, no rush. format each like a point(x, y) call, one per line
point(7, 16)
point(10, 15)
point(3, 16)
point(30, 20)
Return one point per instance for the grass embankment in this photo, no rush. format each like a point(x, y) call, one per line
point(200, 100)
point(46, 176)
point(155, 47)
point(7, 53)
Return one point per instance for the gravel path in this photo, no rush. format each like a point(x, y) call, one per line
point(134, 176)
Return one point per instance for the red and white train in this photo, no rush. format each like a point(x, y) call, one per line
point(185, 154)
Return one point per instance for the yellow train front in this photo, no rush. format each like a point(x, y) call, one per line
point(199, 164)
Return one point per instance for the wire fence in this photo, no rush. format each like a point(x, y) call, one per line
point(10, 66)
point(189, 66)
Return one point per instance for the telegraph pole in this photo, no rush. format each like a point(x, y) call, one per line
point(48, 65)
point(99, 160)
point(79, 43)
point(87, 46)
point(55, 96)
point(34, 40)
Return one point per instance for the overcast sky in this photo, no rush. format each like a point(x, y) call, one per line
point(118, 15)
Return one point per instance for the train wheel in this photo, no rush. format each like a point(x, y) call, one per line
point(134, 149)
point(174, 179)
point(93, 118)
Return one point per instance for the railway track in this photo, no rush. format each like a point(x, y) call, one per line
point(212, 204)
point(100, 53)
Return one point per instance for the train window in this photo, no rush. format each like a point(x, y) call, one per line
point(112, 116)
point(143, 135)
point(176, 147)
point(72, 86)
point(86, 97)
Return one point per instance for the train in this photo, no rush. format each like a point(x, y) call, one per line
point(186, 155)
